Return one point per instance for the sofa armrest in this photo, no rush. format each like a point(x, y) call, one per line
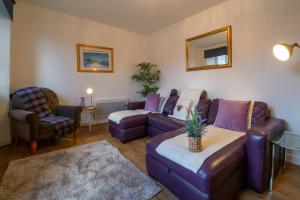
point(259, 152)
point(25, 122)
point(136, 105)
point(73, 112)
point(22, 115)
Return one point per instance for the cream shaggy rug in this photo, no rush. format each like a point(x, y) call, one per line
point(91, 171)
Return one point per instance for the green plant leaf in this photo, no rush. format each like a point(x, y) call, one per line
point(148, 76)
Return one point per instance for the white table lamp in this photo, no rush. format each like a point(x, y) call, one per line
point(90, 91)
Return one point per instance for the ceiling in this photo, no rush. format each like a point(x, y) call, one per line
point(141, 16)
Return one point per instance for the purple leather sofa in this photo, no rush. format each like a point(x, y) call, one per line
point(223, 175)
point(138, 126)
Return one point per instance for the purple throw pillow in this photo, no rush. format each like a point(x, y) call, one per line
point(232, 115)
point(152, 102)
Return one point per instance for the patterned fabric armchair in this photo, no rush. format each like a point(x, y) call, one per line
point(35, 115)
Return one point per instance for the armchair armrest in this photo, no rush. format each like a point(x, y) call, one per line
point(73, 112)
point(259, 151)
point(22, 115)
point(25, 124)
point(136, 105)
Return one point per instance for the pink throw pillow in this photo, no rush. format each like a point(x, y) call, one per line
point(232, 115)
point(152, 102)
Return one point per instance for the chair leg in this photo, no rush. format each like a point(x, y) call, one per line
point(33, 147)
point(75, 135)
point(16, 140)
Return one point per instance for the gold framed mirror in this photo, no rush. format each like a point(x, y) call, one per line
point(211, 50)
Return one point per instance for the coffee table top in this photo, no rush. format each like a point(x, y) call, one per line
point(288, 140)
point(89, 109)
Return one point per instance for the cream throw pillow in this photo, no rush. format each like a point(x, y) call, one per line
point(183, 113)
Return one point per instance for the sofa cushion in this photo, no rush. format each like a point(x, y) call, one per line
point(232, 115)
point(163, 122)
point(162, 101)
point(215, 139)
point(164, 94)
point(213, 111)
point(182, 108)
point(192, 94)
point(260, 113)
point(203, 107)
point(118, 116)
point(170, 105)
point(131, 121)
point(61, 125)
point(152, 102)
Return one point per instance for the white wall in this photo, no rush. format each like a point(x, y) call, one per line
point(4, 74)
point(44, 54)
point(256, 25)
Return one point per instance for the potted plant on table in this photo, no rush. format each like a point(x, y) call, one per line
point(195, 130)
point(148, 75)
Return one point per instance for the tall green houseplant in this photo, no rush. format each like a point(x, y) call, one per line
point(148, 76)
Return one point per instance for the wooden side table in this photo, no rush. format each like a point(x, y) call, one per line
point(90, 111)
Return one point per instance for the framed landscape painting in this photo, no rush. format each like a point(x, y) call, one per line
point(95, 59)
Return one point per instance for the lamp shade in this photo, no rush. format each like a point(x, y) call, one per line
point(282, 51)
point(89, 91)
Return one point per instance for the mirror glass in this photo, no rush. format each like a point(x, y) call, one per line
point(209, 51)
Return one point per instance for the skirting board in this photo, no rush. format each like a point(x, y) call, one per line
point(5, 141)
point(293, 158)
point(97, 121)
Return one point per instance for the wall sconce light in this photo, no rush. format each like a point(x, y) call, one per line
point(90, 91)
point(284, 51)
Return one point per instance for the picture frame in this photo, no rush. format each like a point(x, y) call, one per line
point(212, 50)
point(94, 59)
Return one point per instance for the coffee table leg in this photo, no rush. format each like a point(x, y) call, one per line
point(284, 158)
point(272, 167)
point(90, 122)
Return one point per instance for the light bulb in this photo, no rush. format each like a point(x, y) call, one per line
point(282, 52)
point(89, 91)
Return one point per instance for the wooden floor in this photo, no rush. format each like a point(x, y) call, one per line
point(286, 186)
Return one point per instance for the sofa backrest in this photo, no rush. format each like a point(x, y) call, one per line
point(259, 115)
point(52, 99)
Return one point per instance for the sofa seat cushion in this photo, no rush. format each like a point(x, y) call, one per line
point(60, 125)
point(215, 170)
point(131, 121)
point(118, 116)
point(215, 139)
point(163, 122)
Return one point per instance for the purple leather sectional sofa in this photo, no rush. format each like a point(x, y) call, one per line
point(138, 126)
point(223, 175)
